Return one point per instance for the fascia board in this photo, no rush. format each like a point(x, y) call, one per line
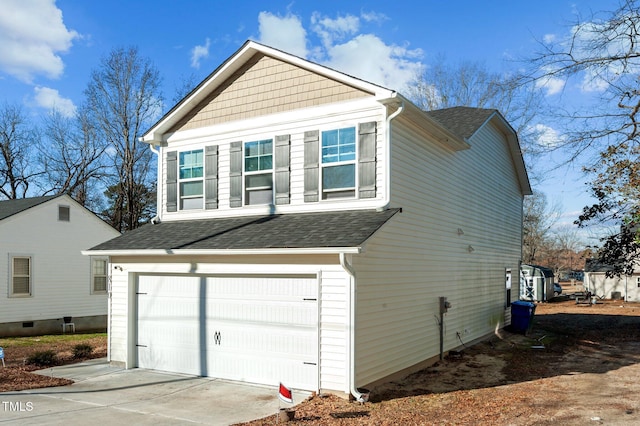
point(187, 252)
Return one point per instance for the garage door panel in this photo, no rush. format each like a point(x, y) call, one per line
point(255, 329)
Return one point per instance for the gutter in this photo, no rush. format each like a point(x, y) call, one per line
point(387, 156)
point(352, 330)
point(222, 252)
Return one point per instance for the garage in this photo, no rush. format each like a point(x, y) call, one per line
point(257, 329)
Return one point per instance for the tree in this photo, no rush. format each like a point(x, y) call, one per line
point(72, 157)
point(123, 99)
point(539, 218)
point(602, 56)
point(17, 171)
point(472, 84)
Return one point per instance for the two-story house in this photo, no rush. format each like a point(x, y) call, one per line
point(309, 223)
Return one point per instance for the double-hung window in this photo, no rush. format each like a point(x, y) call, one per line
point(20, 276)
point(98, 275)
point(258, 169)
point(339, 163)
point(191, 177)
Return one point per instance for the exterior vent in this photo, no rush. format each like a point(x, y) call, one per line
point(64, 213)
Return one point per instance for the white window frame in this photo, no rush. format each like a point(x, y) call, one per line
point(182, 198)
point(248, 174)
point(94, 275)
point(64, 206)
point(12, 275)
point(350, 192)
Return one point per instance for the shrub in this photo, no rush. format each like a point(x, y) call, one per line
point(82, 350)
point(43, 358)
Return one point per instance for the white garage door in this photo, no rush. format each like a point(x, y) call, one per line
point(247, 328)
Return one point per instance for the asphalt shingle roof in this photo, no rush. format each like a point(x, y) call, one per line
point(462, 121)
point(294, 230)
point(11, 207)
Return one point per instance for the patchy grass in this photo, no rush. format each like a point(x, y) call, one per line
point(61, 348)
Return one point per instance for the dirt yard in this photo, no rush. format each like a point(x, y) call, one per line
point(16, 375)
point(579, 365)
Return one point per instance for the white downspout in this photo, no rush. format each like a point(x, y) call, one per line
point(352, 330)
point(156, 218)
point(387, 156)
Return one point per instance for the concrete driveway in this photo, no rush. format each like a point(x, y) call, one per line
point(108, 395)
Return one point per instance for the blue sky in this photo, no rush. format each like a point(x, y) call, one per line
point(48, 48)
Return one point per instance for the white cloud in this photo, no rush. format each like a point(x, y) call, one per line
point(32, 36)
point(552, 85)
point(367, 57)
point(283, 32)
point(549, 38)
point(343, 46)
point(50, 99)
point(329, 30)
point(200, 52)
point(547, 136)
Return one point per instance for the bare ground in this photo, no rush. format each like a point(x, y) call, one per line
point(17, 373)
point(580, 364)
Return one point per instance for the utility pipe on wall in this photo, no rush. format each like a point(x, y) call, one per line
point(352, 329)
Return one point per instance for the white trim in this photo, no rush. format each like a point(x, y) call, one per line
point(236, 61)
point(223, 252)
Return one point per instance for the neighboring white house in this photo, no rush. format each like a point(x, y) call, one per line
point(309, 223)
point(43, 275)
point(625, 287)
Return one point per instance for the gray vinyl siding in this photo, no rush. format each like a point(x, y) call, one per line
point(419, 256)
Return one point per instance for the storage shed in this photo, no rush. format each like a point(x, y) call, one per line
point(538, 283)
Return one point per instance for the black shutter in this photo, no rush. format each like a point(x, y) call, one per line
point(172, 181)
point(311, 165)
point(282, 168)
point(235, 175)
point(367, 160)
point(211, 177)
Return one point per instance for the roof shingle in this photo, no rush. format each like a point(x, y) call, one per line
point(294, 230)
point(11, 207)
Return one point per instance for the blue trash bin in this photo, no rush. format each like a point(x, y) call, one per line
point(522, 316)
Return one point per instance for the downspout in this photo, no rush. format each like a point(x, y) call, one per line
point(387, 155)
point(156, 218)
point(352, 330)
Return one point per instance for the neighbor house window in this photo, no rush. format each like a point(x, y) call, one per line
point(191, 178)
point(64, 213)
point(20, 276)
point(638, 282)
point(99, 275)
point(339, 163)
point(258, 169)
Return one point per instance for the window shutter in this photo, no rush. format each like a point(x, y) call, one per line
point(211, 177)
point(367, 160)
point(282, 155)
point(172, 181)
point(311, 165)
point(235, 175)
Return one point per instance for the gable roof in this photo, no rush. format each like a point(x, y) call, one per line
point(335, 231)
point(452, 127)
point(463, 121)
point(11, 207)
point(234, 63)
